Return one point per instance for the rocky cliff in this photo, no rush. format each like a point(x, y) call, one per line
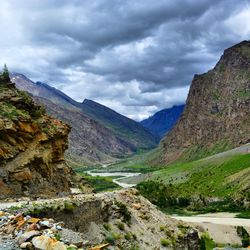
point(217, 112)
point(32, 147)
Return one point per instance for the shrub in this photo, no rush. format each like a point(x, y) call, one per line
point(69, 207)
point(123, 210)
point(107, 227)
point(121, 226)
point(111, 238)
point(128, 236)
point(165, 242)
point(244, 235)
point(206, 242)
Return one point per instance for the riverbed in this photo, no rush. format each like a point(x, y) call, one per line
point(118, 181)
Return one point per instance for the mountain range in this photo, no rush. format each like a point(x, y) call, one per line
point(98, 134)
point(163, 121)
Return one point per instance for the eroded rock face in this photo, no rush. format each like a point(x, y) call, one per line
point(217, 112)
point(32, 147)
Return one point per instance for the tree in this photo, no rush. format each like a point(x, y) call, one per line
point(5, 76)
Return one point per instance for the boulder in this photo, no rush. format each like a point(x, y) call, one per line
point(27, 236)
point(46, 243)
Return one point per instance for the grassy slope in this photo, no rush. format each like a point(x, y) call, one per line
point(210, 177)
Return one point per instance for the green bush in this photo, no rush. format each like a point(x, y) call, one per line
point(111, 238)
point(244, 235)
point(107, 227)
point(206, 242)
point(128, 236)
point(123, 210)
point(121, 226)
point(165, 242)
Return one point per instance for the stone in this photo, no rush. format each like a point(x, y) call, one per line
point(27, 236)
point(26, 245)
point(45, 223)
point(100, 247)
point(45, 243)
point(2, 213)
point(33, 220)
point(33, 226)
point(136, 206)
point(24, 175)
point(9, 229)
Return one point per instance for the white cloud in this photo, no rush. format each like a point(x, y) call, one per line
point(135, 56)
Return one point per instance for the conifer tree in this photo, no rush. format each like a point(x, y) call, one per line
point(5, 74)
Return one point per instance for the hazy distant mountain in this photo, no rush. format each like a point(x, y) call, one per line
point(98, 133)
point(163, 121)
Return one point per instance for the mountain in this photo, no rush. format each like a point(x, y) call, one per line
point(94, 137)
point(217, 112)
point(163, 121)
point(122, 126)
point(89, 141)
point(32, 147)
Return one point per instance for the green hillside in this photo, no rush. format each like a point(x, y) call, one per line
point(219, 179)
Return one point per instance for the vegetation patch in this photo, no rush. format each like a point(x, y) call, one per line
point(209, 185)
point(244, 215)
point(124, 211)
point(165, 242)
point(244, 235)
point(206, 242)
point(99, 183)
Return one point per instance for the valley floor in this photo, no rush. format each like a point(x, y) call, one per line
point(221, 226)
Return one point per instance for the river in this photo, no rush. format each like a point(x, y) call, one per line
point(118, 181)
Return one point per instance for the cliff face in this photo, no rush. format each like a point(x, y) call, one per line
point(32, 147)
point(217, 113)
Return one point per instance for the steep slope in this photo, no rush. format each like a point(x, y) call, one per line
point(217, 112)
point(122, 126)
point(232, 167)
point(89, 141)
point(163, 121)
point(32, 147)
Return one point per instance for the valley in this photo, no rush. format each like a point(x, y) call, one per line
point(113, 182)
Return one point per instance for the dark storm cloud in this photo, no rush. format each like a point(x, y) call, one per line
point(134, 56)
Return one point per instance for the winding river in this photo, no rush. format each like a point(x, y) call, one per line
point(118, 181)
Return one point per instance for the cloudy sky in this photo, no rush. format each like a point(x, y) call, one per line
point(135, 56)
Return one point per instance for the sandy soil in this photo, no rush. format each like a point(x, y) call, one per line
point(221, 226)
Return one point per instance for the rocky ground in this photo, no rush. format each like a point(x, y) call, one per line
point(115, 220)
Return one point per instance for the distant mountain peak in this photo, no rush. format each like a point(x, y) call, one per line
point(163, 121)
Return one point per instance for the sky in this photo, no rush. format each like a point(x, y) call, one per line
point(134, 56)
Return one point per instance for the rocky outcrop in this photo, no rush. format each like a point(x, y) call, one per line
point(217, 112)
point(32, 147)
point(114, 220)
